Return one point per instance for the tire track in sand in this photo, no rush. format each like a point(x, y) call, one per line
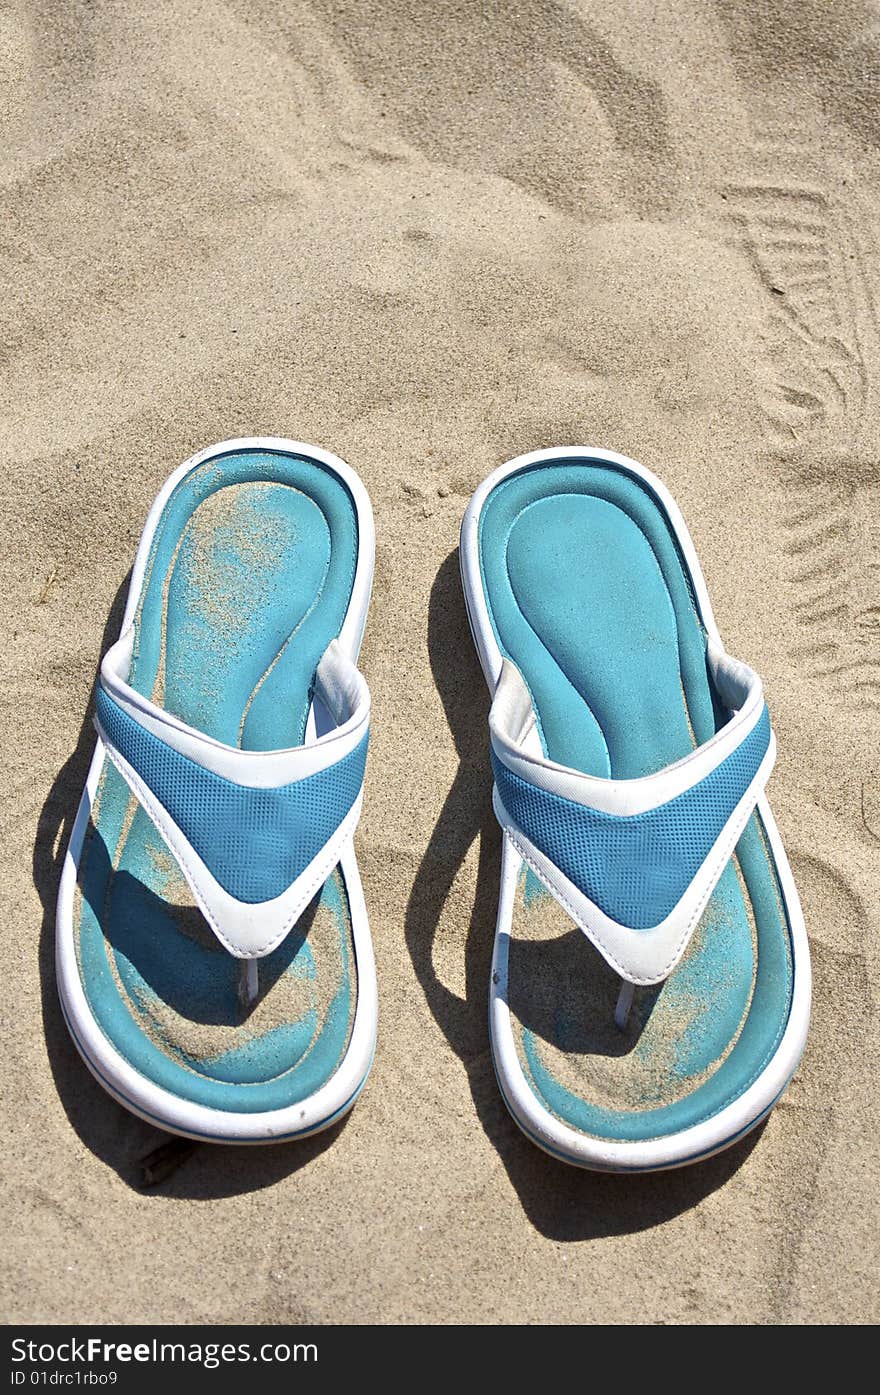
point(820, 340)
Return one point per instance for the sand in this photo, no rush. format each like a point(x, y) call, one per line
point(431, 236)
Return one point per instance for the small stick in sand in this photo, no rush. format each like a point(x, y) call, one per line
point(166, 1159)
point(43, 597)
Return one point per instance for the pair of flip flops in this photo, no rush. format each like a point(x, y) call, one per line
point(650, 983)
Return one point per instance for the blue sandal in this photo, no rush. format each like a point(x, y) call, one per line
point(650, 989)
point(213, 951)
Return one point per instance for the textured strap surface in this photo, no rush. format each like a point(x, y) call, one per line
point(634, 862)
point(635, 867)
point(255, 842)
point(255, 833)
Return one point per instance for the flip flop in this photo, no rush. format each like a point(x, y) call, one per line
point(213, 953)
point(630, 754)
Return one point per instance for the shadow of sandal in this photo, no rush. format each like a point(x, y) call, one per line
point(562, 1202)
point(140, 1153)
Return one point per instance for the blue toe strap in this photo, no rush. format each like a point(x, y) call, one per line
point(254, 841)
point(636, 868)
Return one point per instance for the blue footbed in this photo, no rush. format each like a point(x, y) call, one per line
point(590, 597)
point(249, 578)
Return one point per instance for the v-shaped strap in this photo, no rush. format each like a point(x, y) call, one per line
point(256, 833)
point(634, 862)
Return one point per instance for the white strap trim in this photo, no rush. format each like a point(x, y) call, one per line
point(247, 930)
point(639, 956)
point(514, 734)
point(643, 956)
point(339, 687)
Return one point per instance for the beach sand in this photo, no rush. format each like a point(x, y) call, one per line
point(430, 237)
